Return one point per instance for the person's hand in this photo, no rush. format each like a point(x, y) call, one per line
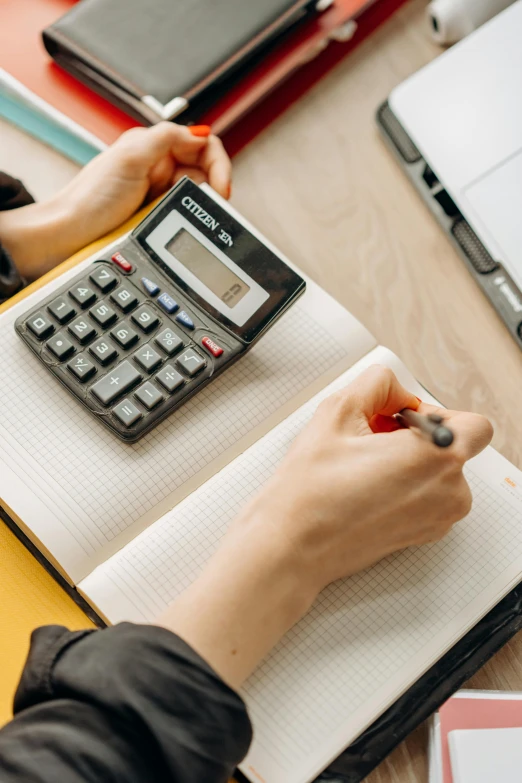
point(138, 167)
point(353, 488)
point(356, 487)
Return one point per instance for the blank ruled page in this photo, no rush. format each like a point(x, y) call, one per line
point(89, 487)
point(367, 638)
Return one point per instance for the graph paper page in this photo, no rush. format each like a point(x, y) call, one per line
point(83, 494)
point(367, 638)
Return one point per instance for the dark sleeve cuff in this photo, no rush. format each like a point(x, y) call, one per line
point(13, 193)
point(10, 279)
point(150, 685)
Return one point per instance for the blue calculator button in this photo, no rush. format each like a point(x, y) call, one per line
point(150, 286)
point(185, 319)
point(168, 303)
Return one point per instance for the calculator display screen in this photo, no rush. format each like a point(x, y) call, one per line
point(220, 279)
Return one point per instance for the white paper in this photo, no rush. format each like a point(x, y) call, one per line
point(486, 755)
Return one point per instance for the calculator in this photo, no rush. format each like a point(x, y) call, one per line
point(161, 313)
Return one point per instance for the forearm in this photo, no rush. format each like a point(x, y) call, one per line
point(38, 236)
point(249, 595)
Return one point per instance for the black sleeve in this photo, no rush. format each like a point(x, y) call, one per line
point(129, 704)
point(12, 195)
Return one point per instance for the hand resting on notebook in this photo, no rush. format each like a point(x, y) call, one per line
point(353, 488)
point(138, 167)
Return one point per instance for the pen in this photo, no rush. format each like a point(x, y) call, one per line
point(431, 425)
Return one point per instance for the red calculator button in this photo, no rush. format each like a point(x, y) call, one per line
point(122, 262)
point(215, 349)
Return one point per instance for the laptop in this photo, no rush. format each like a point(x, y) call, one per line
point(456, 128)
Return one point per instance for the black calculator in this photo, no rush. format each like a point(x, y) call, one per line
point(155, 318)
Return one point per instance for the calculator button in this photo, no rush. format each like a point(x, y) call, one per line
point(122, 262)
point(82, 367)
point(184, 318)
point(149, 395)
point(61, 346)
point(150, 286)
point(82, 294)
point(215, 349)
point(190, 362)
point(124, 334)
point(145, 318)
point(116, 382)
point(168, 303)
point(104, 279)
point(40, 325)
point(124, 298)
point(103, 350)
point(170, 378)
point(127, 412)
point(62, 309)
point(83, 330)
point(147, 357)
point(103, 314)
point(169, 342)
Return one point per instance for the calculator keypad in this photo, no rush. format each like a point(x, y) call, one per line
point(124, 345)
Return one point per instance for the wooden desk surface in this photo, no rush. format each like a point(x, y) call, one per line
point(322, 186)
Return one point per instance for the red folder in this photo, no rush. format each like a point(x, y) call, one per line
point(261, 94)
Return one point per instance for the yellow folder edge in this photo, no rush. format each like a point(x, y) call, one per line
point(29, 596)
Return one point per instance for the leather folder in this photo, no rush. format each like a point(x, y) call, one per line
point(155, 58)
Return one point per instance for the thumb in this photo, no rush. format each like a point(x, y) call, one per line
point(375, 392)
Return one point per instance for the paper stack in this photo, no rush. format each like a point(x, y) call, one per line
point(476, 737)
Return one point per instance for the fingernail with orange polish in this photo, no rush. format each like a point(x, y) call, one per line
point(229, 190)
point(200, 130)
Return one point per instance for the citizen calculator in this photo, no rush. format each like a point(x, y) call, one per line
point(154, 319)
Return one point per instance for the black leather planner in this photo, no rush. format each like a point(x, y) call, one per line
point(154, 58)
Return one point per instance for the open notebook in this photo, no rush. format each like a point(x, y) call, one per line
point(132, 525)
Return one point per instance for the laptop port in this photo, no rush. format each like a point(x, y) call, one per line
point(447, 203)
point(429, 177)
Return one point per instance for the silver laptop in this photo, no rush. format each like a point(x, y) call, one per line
point(456, 128)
